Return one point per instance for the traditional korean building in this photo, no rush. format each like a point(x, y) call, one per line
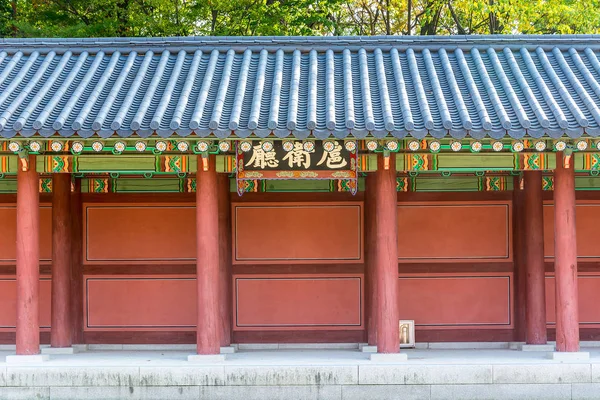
point(302, 189)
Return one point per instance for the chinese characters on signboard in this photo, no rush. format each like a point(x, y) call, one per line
point(295, 159)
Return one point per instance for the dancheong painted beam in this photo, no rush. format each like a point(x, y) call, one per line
point(176, 157)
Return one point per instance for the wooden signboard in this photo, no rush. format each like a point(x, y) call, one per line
point(296, 159)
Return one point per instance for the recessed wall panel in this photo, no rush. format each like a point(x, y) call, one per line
point(305, 233)
point(441, 301)
point(114, 303)
point(296, 302)
point(454, 232)
point(139, 233)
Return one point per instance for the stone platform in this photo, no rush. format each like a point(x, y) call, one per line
point(302, 372)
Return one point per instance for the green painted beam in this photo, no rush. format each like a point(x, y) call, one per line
point(587, 182)
point(446, 184)
point(134, 185)
point(8, 186)
point(107, 163)
point(504, 161)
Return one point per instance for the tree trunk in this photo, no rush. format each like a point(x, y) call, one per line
point(409, 17)
point(460, 29)
point(388, 28)
point(429, 27)
point(494, 28)
point(213, 21)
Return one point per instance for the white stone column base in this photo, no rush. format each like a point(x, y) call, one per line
point(389, 357)
point(569, 355)
point(80, 347)
point(537, 347)
point(59, 350)
point(27, 359)
point(206, 358)
point(369, 349)
point(228, 349)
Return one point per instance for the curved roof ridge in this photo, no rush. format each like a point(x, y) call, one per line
point(290, 43)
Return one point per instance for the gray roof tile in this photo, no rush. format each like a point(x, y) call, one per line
point(461, 86)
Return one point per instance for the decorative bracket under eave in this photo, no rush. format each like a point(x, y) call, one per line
point(386, 160)
point(204, 156)
point(24, 159)
point(567, 157)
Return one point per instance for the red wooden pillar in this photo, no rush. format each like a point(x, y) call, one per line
point(534, 258)
point(225, 302)
point(565, 256)
point(386, 256)
point(28, 260)
point(370, 261)
point(207, 259)
point(77, 263)
point(519, 256)
point(60, 331)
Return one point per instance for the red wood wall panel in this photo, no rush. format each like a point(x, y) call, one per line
point(140, 233)
point(454, 232)
point(587, 215)
point(8, 303)
point(151, 302)
point(8, 227)
point(298, 232)
point(297, 302)
point(442, 301)
point(589, 289)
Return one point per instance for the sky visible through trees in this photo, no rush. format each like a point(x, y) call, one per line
point(103, 18)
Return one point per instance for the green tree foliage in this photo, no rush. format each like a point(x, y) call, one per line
point(100, 18)
point(7, 17)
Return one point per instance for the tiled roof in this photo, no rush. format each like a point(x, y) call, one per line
point(302, 86)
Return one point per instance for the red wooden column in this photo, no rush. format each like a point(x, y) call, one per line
point(207, 259)
point(519, 257)
point(533, 223)
point(60, 331)
point(370, 262)
point(386, 256)
point(77, 263)
point(565, 256)
point(225, 302)
point(28, 260)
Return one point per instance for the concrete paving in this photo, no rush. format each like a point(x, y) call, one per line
point(302, 373)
